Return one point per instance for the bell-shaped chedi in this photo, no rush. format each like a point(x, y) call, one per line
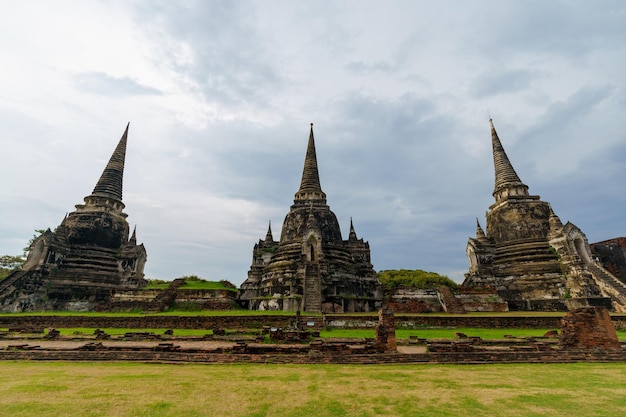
point(311, 268)
point(86, 258)
point(527, 255)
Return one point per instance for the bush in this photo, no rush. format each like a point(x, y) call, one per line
point(417, 278)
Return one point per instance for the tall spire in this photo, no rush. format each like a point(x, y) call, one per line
point(268, 235)
point(310, 188)
point(352, 234)
point(133, 238)
point(506, 177)
point(480, 234)
point(110, 183)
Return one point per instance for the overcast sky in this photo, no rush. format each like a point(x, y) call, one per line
point(220, 94)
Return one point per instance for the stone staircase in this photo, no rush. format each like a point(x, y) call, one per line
point(449, 302)
point(13, 277)
point(609, 283)
point(162, 301)
point(312, 290)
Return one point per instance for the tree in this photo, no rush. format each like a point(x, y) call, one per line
point(32, 239)
point(9, 264)
point(417, 278)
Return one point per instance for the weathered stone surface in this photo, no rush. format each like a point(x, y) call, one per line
point(386, 331)
point(311, 268)
point(612, 255)
point(86, 258)
point(588, 328)
point(532, 260)
point(39, 323)
point(413, 300)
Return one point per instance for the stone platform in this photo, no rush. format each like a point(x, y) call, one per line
point(337, 352)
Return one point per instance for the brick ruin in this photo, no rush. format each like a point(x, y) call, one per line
point(586, 336)
point(172, 297)
point(86, 258)
point(311, 268)
point(611, 254)
point(532, 260)
point(526, 260)
point(588, 328)
point(386, 331)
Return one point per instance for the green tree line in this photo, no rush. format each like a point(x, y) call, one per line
point(415, 278)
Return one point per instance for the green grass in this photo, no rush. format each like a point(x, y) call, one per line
point(437, 333)
point(78, 331)
point(205, 285)
point(192, 285)
point(431, 333)
point(249, 390)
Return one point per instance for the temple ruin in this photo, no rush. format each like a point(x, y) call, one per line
point(87, 258)
point(531, 259)
point(311, 268)
point(612, 255)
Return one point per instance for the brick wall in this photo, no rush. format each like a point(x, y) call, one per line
point(241, 322)
point(588, 328)
point(209, 357)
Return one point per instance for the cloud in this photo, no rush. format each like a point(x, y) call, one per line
point(360, 67)
point(220, 96)
point(212, 47)
point(501, 82)
point(104, 84)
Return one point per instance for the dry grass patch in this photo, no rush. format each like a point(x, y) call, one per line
point(122, 389)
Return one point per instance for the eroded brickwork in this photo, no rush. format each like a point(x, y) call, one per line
point(588, 328)
point(311, 268)
point(386, 331)
point(533, 260)
point(88, 257)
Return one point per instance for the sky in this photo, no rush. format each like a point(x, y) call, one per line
point(220, 96)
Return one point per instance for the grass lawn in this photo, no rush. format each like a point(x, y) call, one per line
point(432, 333)
point(426, 333)
point(448, 333)
point(255, 390)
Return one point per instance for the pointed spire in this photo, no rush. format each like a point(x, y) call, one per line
point(310, 188)
point(555, 221)
point(352, 235)
point(268, 235)
point(506, 177)
point(480, 234)
point(133, 238)
point(110, 183)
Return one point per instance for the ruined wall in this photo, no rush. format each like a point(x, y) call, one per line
point(588, 328)
point(612, 254)
point(568, 356)
point(413, 300)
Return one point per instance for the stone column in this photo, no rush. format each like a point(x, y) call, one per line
point(386, 331)
point(588, 328)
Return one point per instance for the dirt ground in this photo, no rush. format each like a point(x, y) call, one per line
point(184, 344)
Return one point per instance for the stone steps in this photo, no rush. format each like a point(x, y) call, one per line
point(10, 280)
point(167, 297)
point(449, 302)
point(312, 290)
point(607, 278)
